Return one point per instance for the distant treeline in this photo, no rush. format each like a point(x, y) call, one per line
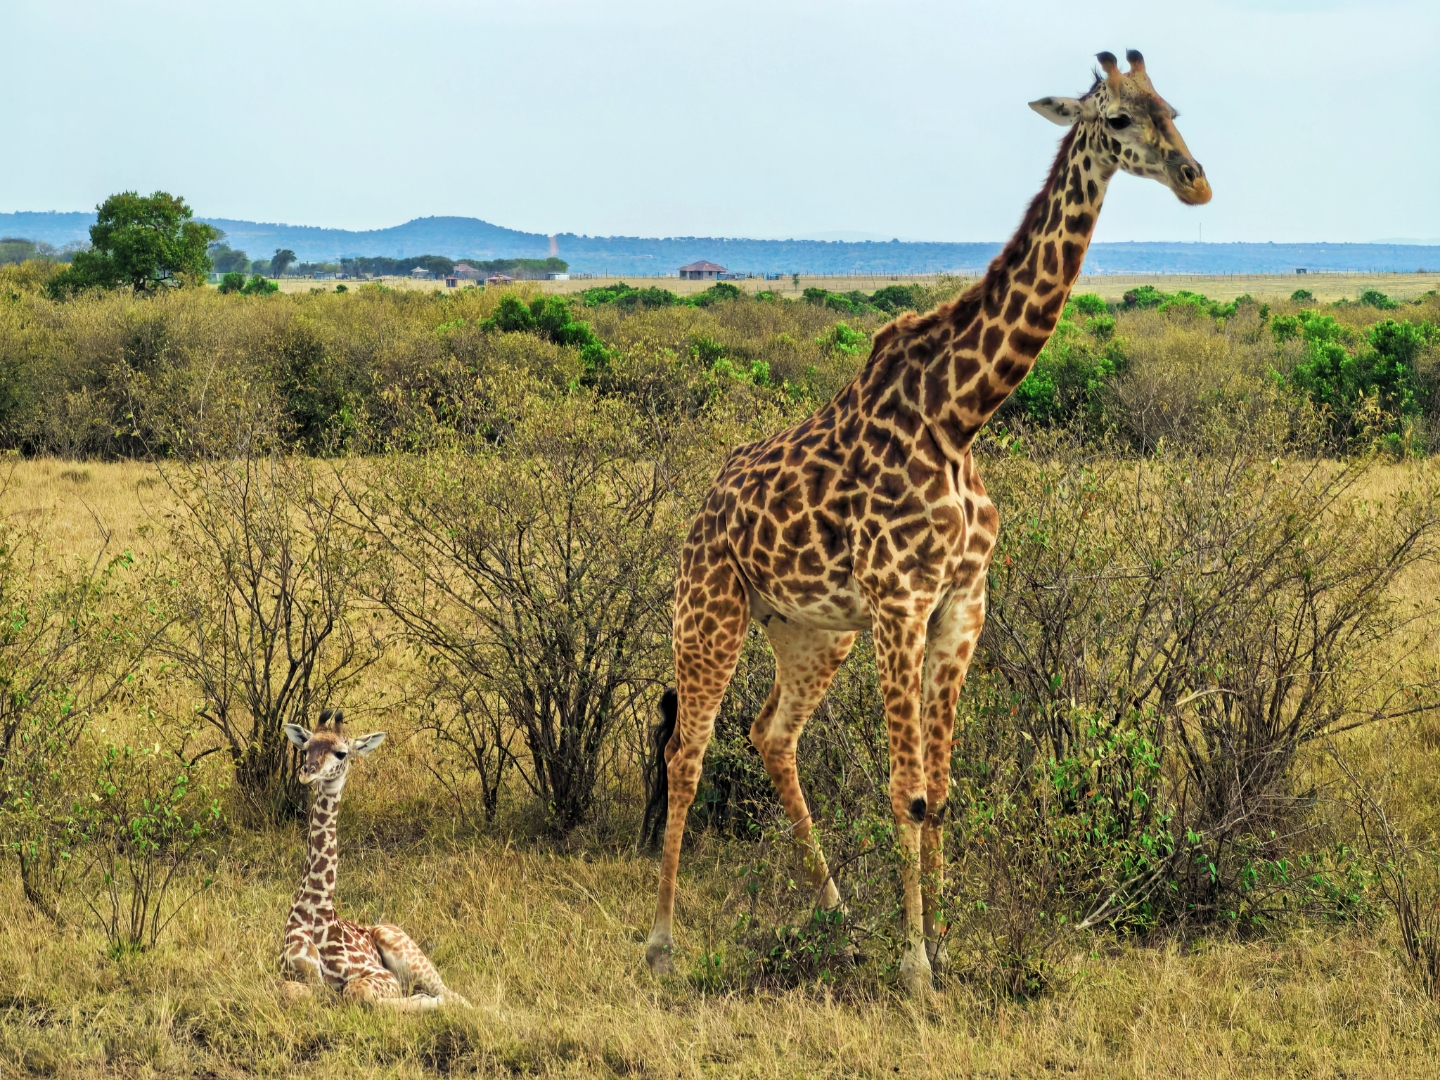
point(439, 265)
point(17, 249)
point(227, 260)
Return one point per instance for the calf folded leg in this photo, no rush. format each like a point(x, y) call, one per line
point(409, 964)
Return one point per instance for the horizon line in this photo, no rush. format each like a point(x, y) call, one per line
point(1389, 241)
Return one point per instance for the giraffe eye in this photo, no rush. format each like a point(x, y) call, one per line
point(1119, 123)
point(340, 754)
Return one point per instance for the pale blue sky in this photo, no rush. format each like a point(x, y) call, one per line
point(1315, 120)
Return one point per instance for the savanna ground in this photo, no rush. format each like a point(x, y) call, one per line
point(542, 927)
point(1112, 287)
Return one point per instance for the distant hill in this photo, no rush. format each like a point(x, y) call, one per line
point(464, 237)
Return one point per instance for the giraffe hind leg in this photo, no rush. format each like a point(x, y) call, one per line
point(373, 988)
point(805, 662)
point(712, 613)
point(408, 963)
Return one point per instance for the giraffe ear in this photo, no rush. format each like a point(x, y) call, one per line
point(297, 734)
point(1064, 111)
point(366, 743)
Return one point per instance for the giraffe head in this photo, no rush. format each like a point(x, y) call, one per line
point(327, 750)
point(1135, 124)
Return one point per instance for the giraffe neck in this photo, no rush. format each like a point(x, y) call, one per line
point(315, 898)
point(974, 351)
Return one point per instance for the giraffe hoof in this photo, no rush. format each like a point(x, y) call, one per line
point(847, 957)
point(915, 976)
point(295, 991)
point(659, 958)
point(939, 955)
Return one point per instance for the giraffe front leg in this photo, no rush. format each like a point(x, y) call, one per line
point(954, 629)
point(712, 613)
point(900, 656)
point(300, 969)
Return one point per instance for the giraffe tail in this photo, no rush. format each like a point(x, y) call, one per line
point(657, 778)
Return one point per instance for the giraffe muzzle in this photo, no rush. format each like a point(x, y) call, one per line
point(1189, 184)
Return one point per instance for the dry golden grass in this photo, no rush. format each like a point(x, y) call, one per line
point(548, 945)
point(549, 950)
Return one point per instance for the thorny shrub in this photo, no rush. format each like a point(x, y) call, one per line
point(265, 597)
point(534, 578)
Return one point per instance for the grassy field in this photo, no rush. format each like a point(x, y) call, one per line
point(1111, 287)
point(548, 948)
point(546, 941)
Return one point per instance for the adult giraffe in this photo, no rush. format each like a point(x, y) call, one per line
point(870, 514)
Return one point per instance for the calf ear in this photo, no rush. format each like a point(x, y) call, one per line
point(1064, 111)
point(366, 743)
point(297, 734)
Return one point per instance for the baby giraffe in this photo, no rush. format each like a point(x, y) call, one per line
point(375, 964)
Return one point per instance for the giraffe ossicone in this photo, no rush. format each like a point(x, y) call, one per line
point(379, 965)
point(870, 514)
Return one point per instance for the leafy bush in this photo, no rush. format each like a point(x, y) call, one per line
point(894, 299)
point(550, 317)
point(190, 371)
point(844, 341)
point(258, 286)
point(851, 303)
point(1377, 299)
point(1147, 297)
point(1366, 385)
point(70, 642)
point(720, 292)
point(1071, 371)
point(232, 281)
point(1302, 296)
point(623, 296)
point(1165, 643)
point(145, 823)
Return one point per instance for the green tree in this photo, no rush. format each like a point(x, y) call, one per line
point(234, 281)
point(281, 261)
point(146, 242)
point(227, 260)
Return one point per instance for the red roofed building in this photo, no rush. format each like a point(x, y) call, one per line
point(701, 271)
